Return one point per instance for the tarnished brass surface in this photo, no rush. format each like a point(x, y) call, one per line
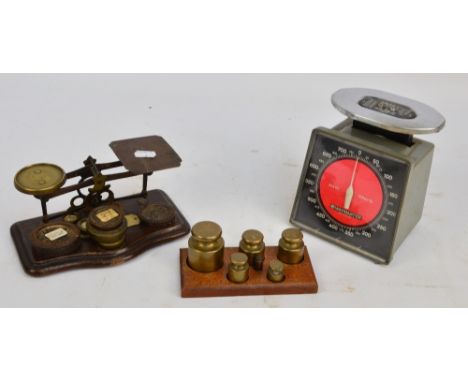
point(253, 246)
point(275, 271)
point(291, 246)
point(108, 239)
point(82, 224)
point(39, 179)
point(71, 218)
point(55, 239)
point(238, 268)
point(206, 247)
point(107, 225)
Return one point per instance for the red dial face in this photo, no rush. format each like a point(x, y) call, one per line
point(351, 192)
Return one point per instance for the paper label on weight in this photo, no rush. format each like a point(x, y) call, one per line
point(56, 234)
point(107, 215)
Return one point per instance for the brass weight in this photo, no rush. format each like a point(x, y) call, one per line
point(291, 246)
point(239, 268)
point(71, 218)
point(253, 246)
point(275, 271)
point(107, 226)
point(206, 247)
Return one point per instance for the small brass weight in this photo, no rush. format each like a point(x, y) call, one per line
point(275, 271)
point(253, 246)
point(238, 268)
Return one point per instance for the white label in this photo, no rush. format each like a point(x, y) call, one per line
point(107, 215)
point(145, 154)
point(56, 234)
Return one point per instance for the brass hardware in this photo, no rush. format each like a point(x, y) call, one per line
point(55, 239)
point(39, 179)
point(71, 218)
point(206, 247)
point(253, 246)
point(107, 226)
point(291, 246)
point(82, 224)
point(275, 271)
point(239, 268)
point(157, 215)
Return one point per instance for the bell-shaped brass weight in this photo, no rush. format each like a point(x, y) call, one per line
point(238, 268)
point(253, 246)
point(291, 246)
point(206, 247)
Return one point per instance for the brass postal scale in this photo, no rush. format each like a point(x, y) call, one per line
point(97, 229)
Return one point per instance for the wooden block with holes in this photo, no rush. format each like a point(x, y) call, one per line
point(299, 278)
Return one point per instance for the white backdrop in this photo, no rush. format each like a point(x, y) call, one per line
point(242, 139)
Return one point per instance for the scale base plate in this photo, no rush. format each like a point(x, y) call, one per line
point(138, 239)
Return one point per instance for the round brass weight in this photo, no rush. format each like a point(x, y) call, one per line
point(40, 179)
point(253, 246)
point(291, 246)
point(107, 226)
point(238, 268)
point(106, 217)
point(206, 247)
point(71, 218)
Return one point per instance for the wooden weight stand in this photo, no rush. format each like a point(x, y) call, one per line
point(299, 278)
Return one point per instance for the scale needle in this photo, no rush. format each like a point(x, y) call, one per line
point(350, 190)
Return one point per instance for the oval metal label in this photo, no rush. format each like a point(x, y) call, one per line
point(387, 107)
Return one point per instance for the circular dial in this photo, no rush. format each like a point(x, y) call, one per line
point(351, 192)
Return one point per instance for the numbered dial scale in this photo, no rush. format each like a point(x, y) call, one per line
point(364, 181)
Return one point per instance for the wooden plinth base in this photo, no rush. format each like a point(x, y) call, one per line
point(299, 278)
point(138, 239)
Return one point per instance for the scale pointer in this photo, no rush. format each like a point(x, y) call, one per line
point(350, 190)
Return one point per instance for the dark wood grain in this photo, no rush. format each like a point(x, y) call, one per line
point(299, 278)
point(138, 239)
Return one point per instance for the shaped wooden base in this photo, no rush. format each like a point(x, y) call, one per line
point(138, 239)
point(299, 278)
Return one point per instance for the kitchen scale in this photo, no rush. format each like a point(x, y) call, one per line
point(364, 181)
